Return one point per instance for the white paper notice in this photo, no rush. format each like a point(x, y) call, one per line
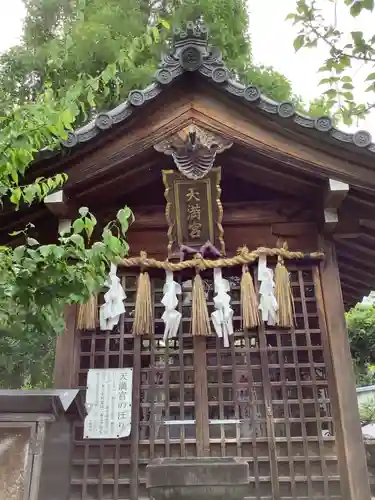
point(108, 403)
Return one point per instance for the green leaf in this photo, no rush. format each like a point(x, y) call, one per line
point(123, 217)
point(77, 240)
point(83, 211)
point(325, 81)
point(368, 4)
point(348, 86)
point(371, 76)
point(18, 253)
point(29, 193)
point(165, 24)
point(357, 37)
point(348, 95)
point(356, 8)
point(15, 197)
point(45, 250)
point(32, 242)
point(91, 98)
point(299, 42)
point(89, 227)
point(331, 93)
point(78, 226)
point(58, 252)
point(14, 175)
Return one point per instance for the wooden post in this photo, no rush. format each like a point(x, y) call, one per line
point(136, 407)
point(351, 451)
point(65, 374)
point(201, 396)
point(67, 351)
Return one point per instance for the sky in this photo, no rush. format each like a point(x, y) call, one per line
point(272, 40)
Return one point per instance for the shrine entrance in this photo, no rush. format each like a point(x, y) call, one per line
point(265, 398)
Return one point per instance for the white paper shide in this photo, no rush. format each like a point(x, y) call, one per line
point(267, 300)
point(171, 317)
point(222, 317)
point(113, 306)
point(108, 403)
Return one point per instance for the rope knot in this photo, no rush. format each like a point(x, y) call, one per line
point(199, 262)
point(242, 251)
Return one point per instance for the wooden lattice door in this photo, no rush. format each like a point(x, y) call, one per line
point(269, 401)
point(265, 398)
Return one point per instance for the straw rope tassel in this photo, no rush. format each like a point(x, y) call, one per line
point(284, 295)
point(200, 320)
point(143, 320)
point(249, 301)
point(87, 317)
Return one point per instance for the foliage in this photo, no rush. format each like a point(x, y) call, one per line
point(35, 280)
point(348, 52)
point(361, 329)
point(367, 411)
point(63, 40)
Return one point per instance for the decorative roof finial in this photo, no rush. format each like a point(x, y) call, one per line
point(190, 52)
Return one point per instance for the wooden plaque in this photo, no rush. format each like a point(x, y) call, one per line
point(194, 211)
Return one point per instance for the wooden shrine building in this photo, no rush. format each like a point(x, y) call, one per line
point(200, 157)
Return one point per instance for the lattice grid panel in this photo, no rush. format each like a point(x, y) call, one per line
point(102, 469)
point(269, 402)
point(267, 399)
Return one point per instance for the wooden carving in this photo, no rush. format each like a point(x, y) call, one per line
point(193, 150)
point(194, 211)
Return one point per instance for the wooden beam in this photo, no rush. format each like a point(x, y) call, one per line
point(126, 182)
point(270, 178)
point(64, 225)
point(351, 268)
point(356, 264)
point(67, 352)
point(59, 204)
point(358, 292)
point(235, 214)
point(331, 220)
point(336, 192)
point(349, 279)
point(359, 207)
point(289, 229)
point(351, 451)
point(369, 223)
point(349, 300)
point(357, 247)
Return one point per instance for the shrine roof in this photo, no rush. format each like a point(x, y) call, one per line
point(275, 151)
point(191, 53)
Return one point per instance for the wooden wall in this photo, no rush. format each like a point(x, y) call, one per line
point(253, 224)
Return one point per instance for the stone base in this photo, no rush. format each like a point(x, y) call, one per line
point(194, 478)
point(370, 454)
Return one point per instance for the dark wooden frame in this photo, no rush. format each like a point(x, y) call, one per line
point(352, 458)
point(282, 452)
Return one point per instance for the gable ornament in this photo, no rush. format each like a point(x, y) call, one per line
point(193, 150)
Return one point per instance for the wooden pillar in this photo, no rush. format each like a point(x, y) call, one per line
point(351, 451)
point(67, 344)
point(67, 352)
